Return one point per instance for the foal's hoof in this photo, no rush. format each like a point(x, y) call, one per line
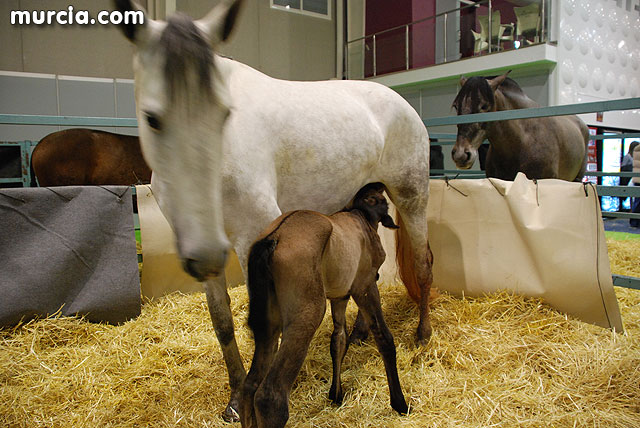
point(336, 397)
point(231, 412)
point(423, 335)
point(400, 406)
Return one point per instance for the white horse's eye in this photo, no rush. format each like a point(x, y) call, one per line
point(153, 121)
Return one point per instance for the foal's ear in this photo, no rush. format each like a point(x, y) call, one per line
point(219, 22)
point(497, 81)
point(387, 222)
point(134, 32)
point(463, 80)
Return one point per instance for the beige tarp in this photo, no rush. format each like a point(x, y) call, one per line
point(161, 272)
point(543, 239)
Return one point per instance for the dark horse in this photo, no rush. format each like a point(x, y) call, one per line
point(542, 147)
point(299, 261)
point(79, 157)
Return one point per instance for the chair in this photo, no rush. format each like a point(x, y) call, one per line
point(528, 23)
point(480, 44)
point(505, 34)
point(500, 32)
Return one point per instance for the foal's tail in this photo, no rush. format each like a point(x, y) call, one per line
point(406, 261)
point(260, 284)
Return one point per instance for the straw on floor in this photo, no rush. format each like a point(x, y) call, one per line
point(500, 360)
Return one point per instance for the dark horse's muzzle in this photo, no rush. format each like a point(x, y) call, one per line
point(463, 154)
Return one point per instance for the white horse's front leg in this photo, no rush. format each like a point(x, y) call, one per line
point(218, 301)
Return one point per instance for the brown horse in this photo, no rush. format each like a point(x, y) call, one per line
point(299, 261)
point(542, 147)
point(77, 157)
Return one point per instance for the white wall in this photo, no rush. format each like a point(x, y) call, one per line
point(47, 94)
point(38, 63)
point(355, 29)
point(279, 43)
point(599, 56)
point(77, 50)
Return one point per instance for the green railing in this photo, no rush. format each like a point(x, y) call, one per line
point(443, 139)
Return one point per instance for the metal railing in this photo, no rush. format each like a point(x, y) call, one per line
point(447, 139)
point(362, 53)
point(24, 148)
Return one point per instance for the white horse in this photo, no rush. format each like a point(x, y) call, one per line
point(231, 149)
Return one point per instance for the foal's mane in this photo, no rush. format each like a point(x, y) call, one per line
point(185, 46)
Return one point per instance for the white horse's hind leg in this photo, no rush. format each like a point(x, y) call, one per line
point(414, 257)
point(218, 301)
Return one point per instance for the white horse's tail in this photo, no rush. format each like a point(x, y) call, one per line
point(406, 261)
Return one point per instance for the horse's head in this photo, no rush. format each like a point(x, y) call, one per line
point(182, 107)
point(371, 202)
point(477, 95)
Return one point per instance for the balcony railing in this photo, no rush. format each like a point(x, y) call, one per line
point(475, 29)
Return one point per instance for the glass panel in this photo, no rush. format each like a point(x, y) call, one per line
point(465, 32)
point(390, 52)
point(507, 28)
point(316, 6)
point(294, 4)
point(422, 46)
point(446, 37)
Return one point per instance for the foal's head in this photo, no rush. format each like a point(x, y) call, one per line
point(371, 202)
point(477, 95)
point(182, 106)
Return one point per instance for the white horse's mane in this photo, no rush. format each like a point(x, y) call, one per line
point(185, 48)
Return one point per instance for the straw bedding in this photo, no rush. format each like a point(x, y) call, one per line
point(500, 360)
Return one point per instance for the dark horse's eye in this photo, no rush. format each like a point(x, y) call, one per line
point(484, 107)
point(153, 121)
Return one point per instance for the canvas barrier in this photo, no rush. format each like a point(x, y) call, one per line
point(162, 272)
point(68, 249)
point(541, 239)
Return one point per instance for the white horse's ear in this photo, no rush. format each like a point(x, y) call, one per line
point(463, 80)
point(219, 22)
point(497, 81)
point(136, 32)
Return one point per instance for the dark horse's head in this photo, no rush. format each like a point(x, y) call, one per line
point(477, 95)
point(371, 202)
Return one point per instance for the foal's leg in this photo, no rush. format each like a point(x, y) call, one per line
point(360, 330)
point(272, 397)
point(265, 349)
point(369, 303)
point(338, 347)
point(218, 302)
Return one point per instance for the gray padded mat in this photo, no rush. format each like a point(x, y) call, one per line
point(68, 248)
